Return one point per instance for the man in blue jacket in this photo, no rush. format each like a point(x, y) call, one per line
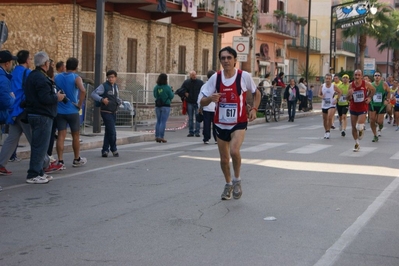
point(7, 97)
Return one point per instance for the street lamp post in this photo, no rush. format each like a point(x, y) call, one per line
point(389, 43)
point(215, 36)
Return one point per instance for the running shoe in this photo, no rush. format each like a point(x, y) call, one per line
point(48, 177)
point(228, 189)
point(332, 127)
point(328, 135)
point(104, 154)
point(237, 191)
point(53, 167)
point(79, 162)
point(37, 180)
point(379, 133)
point(397, 129)
point(15, 159)
point(343, 134)
point(360, 133)
point(63, 165)
point(116, 154)
point(325, 135)
point(356, 148)
point(4, 171)
point(375, 139)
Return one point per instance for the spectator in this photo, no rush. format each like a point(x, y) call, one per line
point(309, 94)
point(291, 95)
point(208, 112)
point(279, 80)
point(302, 85)
point(68, 111)
point(192, 87)
point(41, 107)
point(107, 94)
point(60, 67)
point(163, 95)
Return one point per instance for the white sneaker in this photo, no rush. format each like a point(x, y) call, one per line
point(325, 135)
point(37, 180)
point(379, 133)
point(328, 135)
point(81, 162)
point(52, 159)
point(48, 177)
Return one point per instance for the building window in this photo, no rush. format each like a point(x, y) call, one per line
point(131, 55)
point(205, 61)
point(88, 49)
point(264, 6)
point(182, 60)
point(280, 5)
point(396, 3)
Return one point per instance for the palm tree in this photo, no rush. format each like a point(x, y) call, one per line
point(370, 28)
point(247, 22)
point(389, 39)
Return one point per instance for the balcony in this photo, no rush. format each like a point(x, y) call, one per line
point(301, 42)
point(280, 27)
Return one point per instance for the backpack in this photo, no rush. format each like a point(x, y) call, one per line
point(106, 89)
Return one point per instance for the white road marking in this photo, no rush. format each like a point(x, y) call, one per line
point(263, 147)
point(311, 127)
point(163, 146)
point(334, 252)
point(361, 153)
point(395, 156)
point(311, 148)
point(283, 127)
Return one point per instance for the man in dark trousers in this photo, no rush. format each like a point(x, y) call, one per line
point(41, 106)
point(192, 87)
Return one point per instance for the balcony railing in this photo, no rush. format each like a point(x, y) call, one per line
point(268, 22)
point(227, 8)
point(302, 42)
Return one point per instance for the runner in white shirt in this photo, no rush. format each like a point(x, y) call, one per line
point(329, 102)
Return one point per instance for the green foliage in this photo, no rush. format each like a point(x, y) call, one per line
point(279, 13)
point(312, 70)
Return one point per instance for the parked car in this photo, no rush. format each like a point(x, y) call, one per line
point(125, 114)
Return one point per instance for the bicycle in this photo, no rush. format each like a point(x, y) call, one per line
point(270, 103)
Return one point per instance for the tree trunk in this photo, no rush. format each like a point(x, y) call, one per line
point(396, 63)
point(362, 49)
point(247, 30)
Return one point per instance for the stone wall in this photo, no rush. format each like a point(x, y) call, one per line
point(57, 29)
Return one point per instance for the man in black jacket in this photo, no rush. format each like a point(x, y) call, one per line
point(41, 106)
point(192, 87)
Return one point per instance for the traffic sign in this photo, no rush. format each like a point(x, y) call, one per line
point(241, 44)
point(242, 58)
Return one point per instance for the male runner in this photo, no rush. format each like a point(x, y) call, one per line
point(377, 106)
point(359, 95)
point(343, 104)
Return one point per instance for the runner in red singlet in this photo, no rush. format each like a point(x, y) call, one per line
point(359, 95)
point(228, 89)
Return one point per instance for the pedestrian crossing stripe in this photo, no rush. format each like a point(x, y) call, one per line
point(283, 127)
point(162, 146)
point(362, 152)
point(263, 147)
point(311, 148)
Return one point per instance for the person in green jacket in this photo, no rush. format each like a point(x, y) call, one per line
point(343, 104)
point(377, 106)
point(163, 95)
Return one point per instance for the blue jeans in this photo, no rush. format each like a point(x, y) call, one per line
point(291, 109)
point(109, 143)
point(162, 116)
point(192, 109)
point(41, 129)
point(208, 123)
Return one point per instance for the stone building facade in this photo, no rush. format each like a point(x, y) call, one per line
point(58, 29)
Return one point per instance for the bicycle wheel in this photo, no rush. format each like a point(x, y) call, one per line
point(276, 113)
point(268, 112)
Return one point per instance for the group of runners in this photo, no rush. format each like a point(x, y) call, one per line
point(363, 99)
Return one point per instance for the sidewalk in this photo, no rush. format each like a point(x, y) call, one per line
point(145, 132)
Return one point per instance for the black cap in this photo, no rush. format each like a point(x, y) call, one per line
point(6, 56)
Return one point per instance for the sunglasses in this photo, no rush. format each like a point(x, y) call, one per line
point(226, 57)
point(377, 75)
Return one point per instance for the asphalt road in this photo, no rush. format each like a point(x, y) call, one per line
point(159, 204)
